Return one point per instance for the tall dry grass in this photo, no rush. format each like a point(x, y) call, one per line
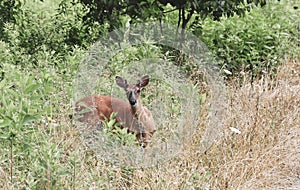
point(265, 155)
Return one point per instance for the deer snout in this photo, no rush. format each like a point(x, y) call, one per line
point(132, 102)
point(132, 99)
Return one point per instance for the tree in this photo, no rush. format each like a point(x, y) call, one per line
point(111, 13)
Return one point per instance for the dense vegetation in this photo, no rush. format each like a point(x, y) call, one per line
point(43, 42)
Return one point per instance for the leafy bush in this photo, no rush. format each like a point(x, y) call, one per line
point(31, 101)
point(41, 27)
point(21, 106)
point(255, 42)
point(8, 9)
point(116, 134)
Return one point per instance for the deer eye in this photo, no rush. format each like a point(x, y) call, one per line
point(138, 91)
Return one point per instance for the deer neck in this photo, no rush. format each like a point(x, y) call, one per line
point(137, 110)
point(138, 114)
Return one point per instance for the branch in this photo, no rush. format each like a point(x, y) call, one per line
point(191, 12)
point(170, 11)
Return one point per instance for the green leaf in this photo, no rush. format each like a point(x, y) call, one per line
point(28, 119)
point(2, 84)
point(32, 88)
point(5, 136)
point(111, 122)
point(14, 93)
point(4, 123)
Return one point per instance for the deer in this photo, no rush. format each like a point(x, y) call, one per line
point(131, 114)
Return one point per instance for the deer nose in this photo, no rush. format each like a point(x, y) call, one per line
point(132, 99)
point(132, 102)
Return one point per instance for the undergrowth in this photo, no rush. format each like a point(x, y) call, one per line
point(260, 153)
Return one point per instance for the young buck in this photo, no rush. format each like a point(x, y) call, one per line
point(132, 114)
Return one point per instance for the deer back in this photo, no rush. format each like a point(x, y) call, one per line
point(95, 108)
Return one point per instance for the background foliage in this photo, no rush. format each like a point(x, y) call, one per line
point(256, 42)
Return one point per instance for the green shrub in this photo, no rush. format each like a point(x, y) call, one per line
point(255, 42)
point(117, 135)
point(30, 101)
point(42, 27)
point(8, 9)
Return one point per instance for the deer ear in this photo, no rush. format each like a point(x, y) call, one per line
point(121, 82)
point(144, 81)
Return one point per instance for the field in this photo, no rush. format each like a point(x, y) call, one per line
point(256, 147)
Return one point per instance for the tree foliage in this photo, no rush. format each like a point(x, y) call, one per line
point(8, 9)
point(103, 11)
point(110, 11)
